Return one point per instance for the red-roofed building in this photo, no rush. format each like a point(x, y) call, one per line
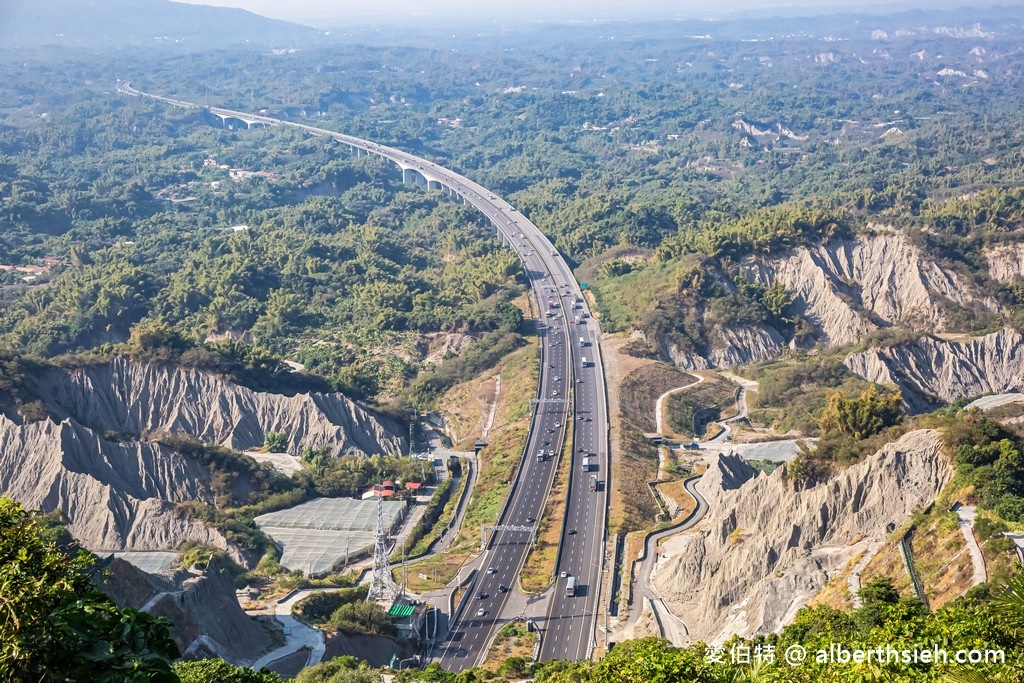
point(375, 490)
point(413, 485)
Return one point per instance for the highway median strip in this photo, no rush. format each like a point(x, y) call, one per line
point(539, 569)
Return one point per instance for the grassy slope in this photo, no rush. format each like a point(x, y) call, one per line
point(463, 405)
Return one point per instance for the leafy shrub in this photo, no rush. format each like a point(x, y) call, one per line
point(219, 671)
point(991, 458)
point(318, 607)
point(863, 416)
point(57, 626)
point(275, 442)
point(362, 617)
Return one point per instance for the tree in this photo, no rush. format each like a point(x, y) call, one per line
point(55, 625)
point(275, 442)
point(775, 300)
point(315, 459)
point(861, 417)
point(362, 617)
point(219, 671)
point(339, 670)
point(513, 667)
point(879, 591)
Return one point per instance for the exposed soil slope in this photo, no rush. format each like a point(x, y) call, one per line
point(202, 604)
point(766, 545)
point(843, 290)
point(121, 494)
point(133, 397)
point(115, 496)
point(931, 371)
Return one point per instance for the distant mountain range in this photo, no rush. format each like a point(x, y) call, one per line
point(98, 24)
point(119, 23)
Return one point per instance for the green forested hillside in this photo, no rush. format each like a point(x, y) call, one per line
point(696, 154)
point(337, 267)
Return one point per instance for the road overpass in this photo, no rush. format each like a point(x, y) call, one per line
point(571, 402)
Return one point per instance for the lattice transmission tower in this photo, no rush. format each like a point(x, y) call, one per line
point(382, 585)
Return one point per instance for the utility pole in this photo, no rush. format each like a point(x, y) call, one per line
point(414, 415)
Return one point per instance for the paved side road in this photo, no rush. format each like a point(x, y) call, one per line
point(965, 517)
point(642, 579)
point(659, 406)
point(297, 634)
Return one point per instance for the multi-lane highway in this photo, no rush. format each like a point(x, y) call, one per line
point(571, 393)
point(569, 630)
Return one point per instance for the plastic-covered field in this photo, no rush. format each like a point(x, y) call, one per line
point(317, 536)
point(152, 561)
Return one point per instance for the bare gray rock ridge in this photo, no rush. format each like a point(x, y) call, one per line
point(115, 496)
point(845, 289)
point(202, 604)
point(767, 545)
point(849, 287)
point(1006, 262)
point(730, 346)
point(134, 397)
point(123, 494)
point(931, 372)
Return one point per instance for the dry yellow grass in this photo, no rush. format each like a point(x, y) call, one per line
point(677, 492)
point(888, 562)
point(432, 573)
point(712, 430)
point(942, 558)
point(634, 546)
point(836, 593)
point(513, 640)
point(497, 462)
point(736, 537)
point(465, 408)
point(539, 569)
point(616, 366)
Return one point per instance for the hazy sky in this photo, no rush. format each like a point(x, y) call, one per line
point(325, 11)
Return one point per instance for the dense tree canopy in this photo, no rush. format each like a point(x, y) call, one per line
point(55, 625)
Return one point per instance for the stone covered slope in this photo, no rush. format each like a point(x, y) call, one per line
point(766, 546)
point(115, 496)
point(931, 371)
point(133, 397)
point(208, 620)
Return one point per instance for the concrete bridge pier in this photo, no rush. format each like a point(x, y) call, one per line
point(236, 122)
point(410, 176)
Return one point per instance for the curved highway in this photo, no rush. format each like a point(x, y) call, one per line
point(572, 392)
